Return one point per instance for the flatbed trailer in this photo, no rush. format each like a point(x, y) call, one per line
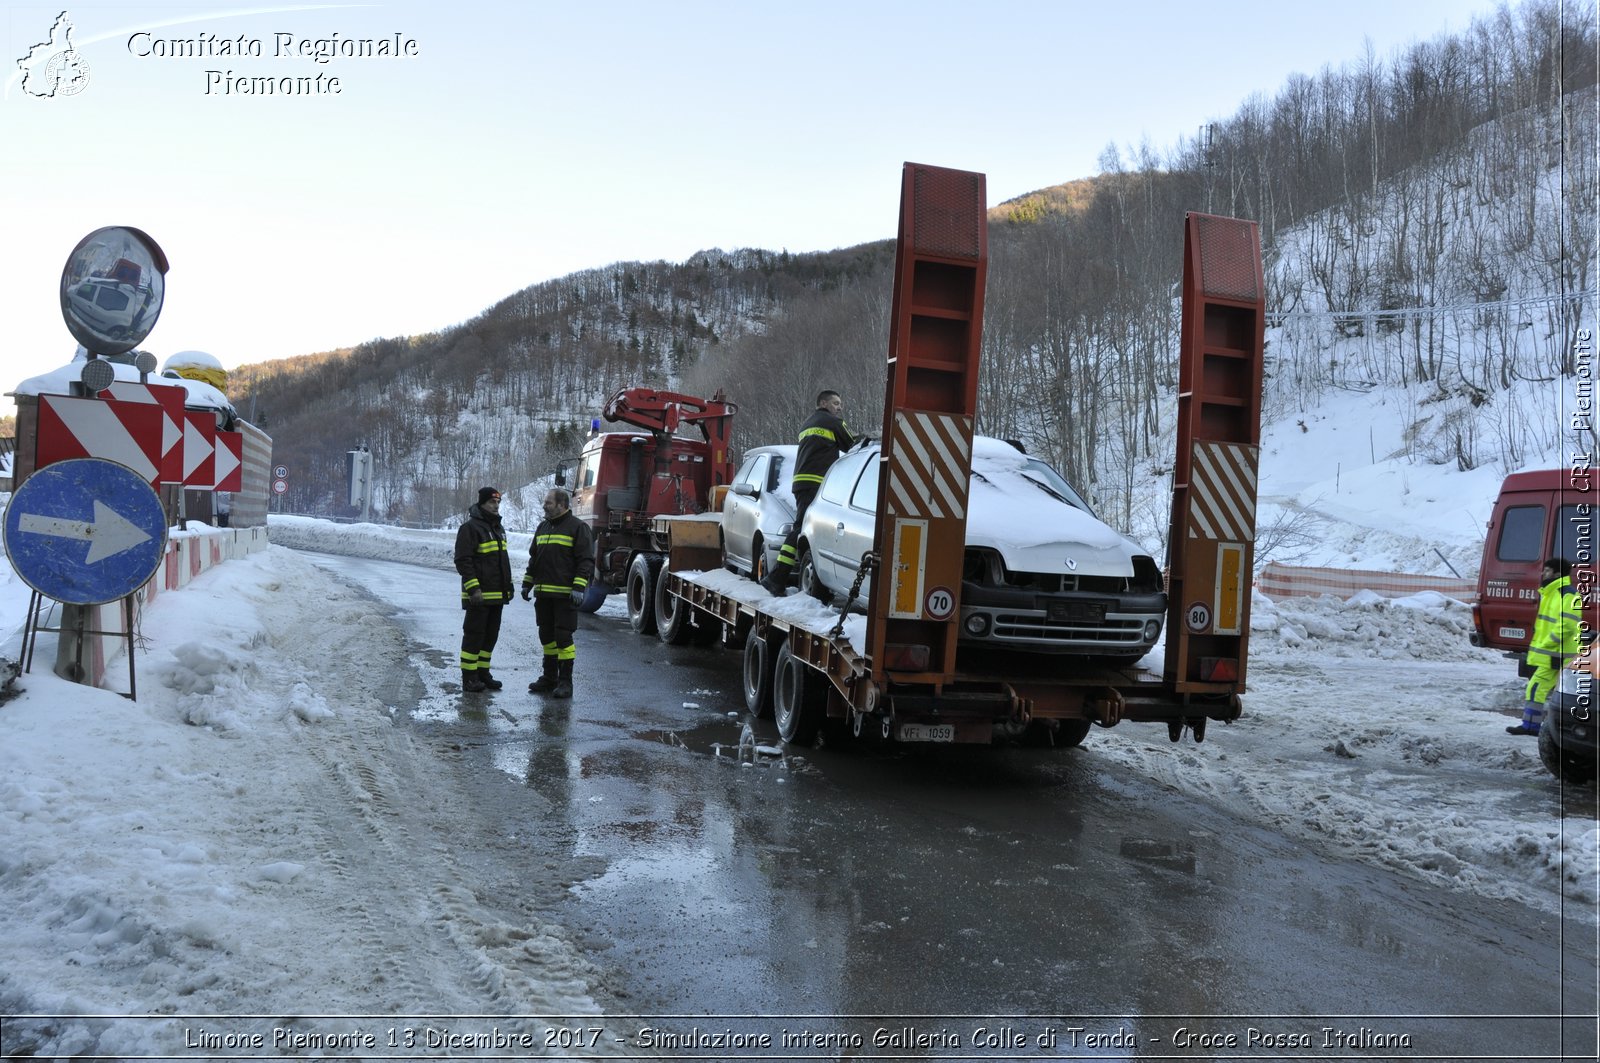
point(802, 666)
point(900, 671)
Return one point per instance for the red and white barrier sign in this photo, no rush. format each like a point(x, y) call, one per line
point(229, 461)
point(169, 399)
point(199, 450)
point(127, 433)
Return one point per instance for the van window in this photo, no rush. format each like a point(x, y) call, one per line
point(1521, 535)
point(1574, 538)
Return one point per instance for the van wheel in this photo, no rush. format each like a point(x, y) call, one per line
point(1562, 765)
point(798, 699)
point(757, 674)
point(672, 616)
point(642, 577)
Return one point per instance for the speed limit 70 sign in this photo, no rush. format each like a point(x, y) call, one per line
point(940, 603)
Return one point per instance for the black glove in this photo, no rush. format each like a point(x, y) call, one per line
point(578, 595)
point(475, 596)
point(527, 591)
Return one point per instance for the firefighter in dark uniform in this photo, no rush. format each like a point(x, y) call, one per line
point(486, 586)
point(822, 439)
point(560, 564)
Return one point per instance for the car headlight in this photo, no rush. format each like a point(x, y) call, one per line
point(1152, 628)
point(1578, 684)
point(977, 624)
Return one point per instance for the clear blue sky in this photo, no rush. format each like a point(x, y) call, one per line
point(525, 141)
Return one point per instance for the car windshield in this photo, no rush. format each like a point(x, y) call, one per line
point(1046, 479)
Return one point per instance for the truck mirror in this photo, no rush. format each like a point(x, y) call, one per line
point(561, 476)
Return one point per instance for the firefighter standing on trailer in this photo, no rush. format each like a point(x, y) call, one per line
point(822, 439)
point(486, 587)
point(560, 564)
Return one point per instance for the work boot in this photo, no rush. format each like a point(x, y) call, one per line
point(472, 683)
point(489, 681)
point(1522, 729)
point(776, 582)
point(563, 688)
point(547, 682)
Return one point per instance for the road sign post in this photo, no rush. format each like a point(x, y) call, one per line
point(84, 532)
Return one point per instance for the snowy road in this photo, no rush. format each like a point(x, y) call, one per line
point(302, 820)
point(1019, 882)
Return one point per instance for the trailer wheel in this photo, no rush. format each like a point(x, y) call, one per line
point(672, 617)
point(757, 674)
point(642, 577)
point(1071, 733)
point(797, 699)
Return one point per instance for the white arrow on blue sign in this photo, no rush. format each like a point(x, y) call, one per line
point(85, 531)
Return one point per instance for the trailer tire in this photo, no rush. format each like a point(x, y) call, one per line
point(643, 575)
point(1071, 733)
point(672, 616)
point(757, 674)
point(798, 699)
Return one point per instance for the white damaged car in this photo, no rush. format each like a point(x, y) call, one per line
point(1042, 573)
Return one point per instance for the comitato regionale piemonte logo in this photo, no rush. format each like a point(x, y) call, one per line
point(54, 67)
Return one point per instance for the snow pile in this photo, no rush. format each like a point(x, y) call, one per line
point(246, 837)
point(1428, 626)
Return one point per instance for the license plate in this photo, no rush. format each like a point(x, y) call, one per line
point(926, 732)
point(1513, 633)
point(1077, 612)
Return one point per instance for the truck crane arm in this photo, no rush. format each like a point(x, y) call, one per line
point(664, 411)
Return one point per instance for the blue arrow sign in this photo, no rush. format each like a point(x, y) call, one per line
point(85, 531)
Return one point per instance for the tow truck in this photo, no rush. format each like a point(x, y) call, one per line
point(623, 480)
point(897, 670)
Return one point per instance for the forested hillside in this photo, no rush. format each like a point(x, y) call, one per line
point(1428, 223)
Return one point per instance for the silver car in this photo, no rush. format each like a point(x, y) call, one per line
point(758, 510)
point(1041, 572)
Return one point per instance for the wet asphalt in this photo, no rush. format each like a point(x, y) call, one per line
point(869, 899)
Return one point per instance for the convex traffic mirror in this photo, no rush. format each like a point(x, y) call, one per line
point(112, 288)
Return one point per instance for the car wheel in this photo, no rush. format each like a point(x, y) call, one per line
point(809, 583)
point(758, 559)
point(1561, 764)
point(672, 616)
point(757, 674)
point(798, 699)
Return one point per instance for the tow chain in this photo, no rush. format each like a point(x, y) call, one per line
point(869, 561)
